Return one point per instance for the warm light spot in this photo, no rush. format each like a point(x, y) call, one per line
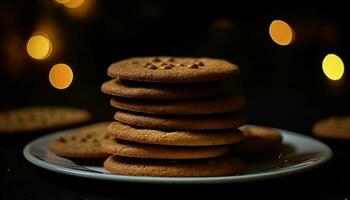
point(74, 3)
point(85, 10)
point(333, 67)
point(281, 32)
point(61, 76)
point(39, 47)
point(62, 1)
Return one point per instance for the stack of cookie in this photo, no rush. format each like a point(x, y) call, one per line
point(173, 118)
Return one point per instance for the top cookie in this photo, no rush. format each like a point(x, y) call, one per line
point(169, 69)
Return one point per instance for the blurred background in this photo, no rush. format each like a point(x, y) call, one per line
point(294, 57)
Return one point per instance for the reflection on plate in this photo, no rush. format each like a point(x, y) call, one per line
point(298, 153)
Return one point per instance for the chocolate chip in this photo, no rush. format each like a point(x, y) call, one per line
point(88, 136)
point(62, 139)
point(165, 67)
point(193, 66)
point(180, 65)
point(73, 137)
point(155, 59)
point(95, 140)
point(152, 67)
point(135, 62)
point(83, 140)
point(170, 59)
point(146, 64)
point(106, 137)
point(199, 63)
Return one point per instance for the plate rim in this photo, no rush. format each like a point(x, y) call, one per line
point(178, 180)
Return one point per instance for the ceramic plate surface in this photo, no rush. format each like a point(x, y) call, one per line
point(297, 154)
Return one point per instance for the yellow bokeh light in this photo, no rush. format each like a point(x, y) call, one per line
point(281, 32)
point(62, 1)
point(61, 76)
point(333, 67)
point(39, 47)
point(74, 3)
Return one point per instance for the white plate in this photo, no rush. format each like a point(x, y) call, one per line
point(299, 152)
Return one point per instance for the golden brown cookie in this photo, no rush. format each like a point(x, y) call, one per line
point(39, 118)
point(203, 122)
point(337, 127)
point(213, 105)
point(174, 168)
point(150, 90)
point(168, 69)
point(84, 142)
point(176, 138)
point(257, 139)
point(139, 150)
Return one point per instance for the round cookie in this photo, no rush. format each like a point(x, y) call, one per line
point(257, 139)
point(150, 90)
point(40, 118)
point(205, 122)
point(213, 105)
point(84, 143)
point(337, 127)
point(169, 69)
point(139, 150)
point(174, 168)
point(176, 138)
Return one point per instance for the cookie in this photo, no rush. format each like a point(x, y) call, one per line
point(169, 69)
point(174, 168)
point(82, 143)
point(175, 138)
point(337, 127)
point(39, 118)
point(139, 150)
point(189, 122)
point(257, 139)
point(219, 104)
point(150, 90)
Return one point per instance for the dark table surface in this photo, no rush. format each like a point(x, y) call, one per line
point(22, 180)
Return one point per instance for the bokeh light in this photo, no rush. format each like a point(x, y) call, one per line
point(74, 3)
point(39, 46)
point(62, 1)
point(61, 76)
point(281, 32)
point(333, 67)
point(85, 10)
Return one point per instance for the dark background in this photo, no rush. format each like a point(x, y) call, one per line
point(284, 85)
